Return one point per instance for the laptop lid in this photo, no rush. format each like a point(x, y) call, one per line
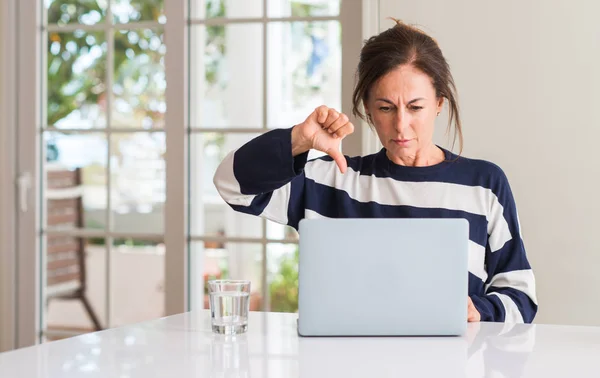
point(378, 277)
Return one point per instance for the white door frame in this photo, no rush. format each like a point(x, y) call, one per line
point(370, 26)
point(351, 13)
point(28, 97)
point(176, 258)
point(7, 174)
point(19, 75)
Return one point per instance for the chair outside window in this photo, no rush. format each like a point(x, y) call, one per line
point(66, 273)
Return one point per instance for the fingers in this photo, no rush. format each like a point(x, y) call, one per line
point(338, 123)
point(341, 128)
point(339, 159)
point(332, 116)
point(337, 126)
point(345, 130)
point(322, 113)
point(472, 314)
point(330, 119)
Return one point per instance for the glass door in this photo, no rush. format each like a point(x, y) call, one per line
point(102, 164)
point(125, 108)
point(254, 66)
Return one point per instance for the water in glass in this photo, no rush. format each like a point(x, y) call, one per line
point(229, 311)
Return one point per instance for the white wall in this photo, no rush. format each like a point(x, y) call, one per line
point(528, 76)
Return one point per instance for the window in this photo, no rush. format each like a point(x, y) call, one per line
point(122, 143)
point(253, 67)
point(104, 164)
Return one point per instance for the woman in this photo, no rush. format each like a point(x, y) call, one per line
point(403, 82)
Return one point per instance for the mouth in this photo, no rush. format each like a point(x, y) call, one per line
point(401, 142)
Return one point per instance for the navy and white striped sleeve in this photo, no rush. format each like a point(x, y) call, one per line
point(263, 178)
point(510, 294)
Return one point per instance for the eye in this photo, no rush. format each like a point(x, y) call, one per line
point(416, 108)
point(384, 109)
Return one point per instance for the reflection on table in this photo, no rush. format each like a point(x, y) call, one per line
point(184, 346)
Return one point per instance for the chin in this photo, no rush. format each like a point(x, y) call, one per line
point(400, 151)
point(401, 148)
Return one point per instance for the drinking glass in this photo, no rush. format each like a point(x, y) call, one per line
point(229, 305)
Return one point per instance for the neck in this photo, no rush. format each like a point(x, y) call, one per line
point(422, 157)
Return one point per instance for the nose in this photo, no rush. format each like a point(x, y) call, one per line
point(401, 121)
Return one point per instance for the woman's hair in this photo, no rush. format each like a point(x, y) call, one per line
point(404, 44)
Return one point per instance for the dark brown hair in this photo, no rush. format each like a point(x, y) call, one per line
point(399, 45)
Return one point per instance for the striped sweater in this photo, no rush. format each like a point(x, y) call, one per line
point(262, 178)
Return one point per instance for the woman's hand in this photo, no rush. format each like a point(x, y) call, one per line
point(323, 130)
point(472, 314)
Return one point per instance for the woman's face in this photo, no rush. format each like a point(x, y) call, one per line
point(403, 107)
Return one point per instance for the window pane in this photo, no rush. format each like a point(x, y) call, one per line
point(142, 298)
point(76, 268)
point(200, 9)
point(231, 260)
point(138, 182)
point(282, 265)
point(209, 214)
point(226, 76)
point(304, 70)
point(280, 231)
point(139, 79)
point(125, 11)
point(87, 12)
point(303, 8)
point(76, 80)
point(75, 172)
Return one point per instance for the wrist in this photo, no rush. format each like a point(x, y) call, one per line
point(299, 144)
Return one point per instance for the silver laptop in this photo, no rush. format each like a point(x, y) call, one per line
point(383, 277)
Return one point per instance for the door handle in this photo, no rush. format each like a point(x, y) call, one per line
point(23, 184)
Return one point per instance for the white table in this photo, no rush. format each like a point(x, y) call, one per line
point(184, 346)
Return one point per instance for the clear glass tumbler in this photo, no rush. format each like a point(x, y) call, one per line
point(229, 305)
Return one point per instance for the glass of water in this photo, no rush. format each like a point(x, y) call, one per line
point(229, 305)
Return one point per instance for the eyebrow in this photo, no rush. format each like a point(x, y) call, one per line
point(390, 102)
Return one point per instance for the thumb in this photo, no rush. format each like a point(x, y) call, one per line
point(339, 159)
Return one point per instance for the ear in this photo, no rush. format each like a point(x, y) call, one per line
point(440, 105)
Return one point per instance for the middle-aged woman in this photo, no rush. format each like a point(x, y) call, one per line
point(403, 83)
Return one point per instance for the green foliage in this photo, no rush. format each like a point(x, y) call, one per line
point(284, 287)
point(129, 242)
point(215, 40)
point(301, 10)
point(69, 89)
point(78, 11)
point(77, 61)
